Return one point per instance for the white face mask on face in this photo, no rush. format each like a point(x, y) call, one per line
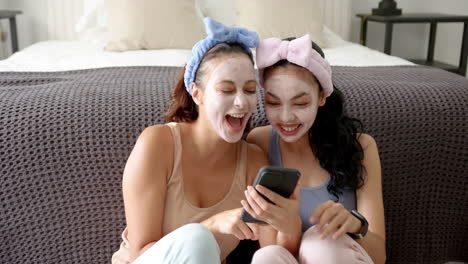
point(230, 97)
point(291, 105)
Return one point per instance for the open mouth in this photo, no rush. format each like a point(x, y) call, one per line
point(236, 121)
point(289, 130)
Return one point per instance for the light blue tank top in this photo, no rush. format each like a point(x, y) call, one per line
point(310, 197)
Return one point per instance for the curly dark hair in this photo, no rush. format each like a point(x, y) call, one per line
point(334, 140)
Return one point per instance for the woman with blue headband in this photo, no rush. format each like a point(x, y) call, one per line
point(184, 180)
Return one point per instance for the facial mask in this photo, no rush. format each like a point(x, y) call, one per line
point(229, 109)
point(289, 120)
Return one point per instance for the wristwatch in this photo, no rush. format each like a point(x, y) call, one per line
point(364, 223)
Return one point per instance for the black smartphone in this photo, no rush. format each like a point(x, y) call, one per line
point(280, 180)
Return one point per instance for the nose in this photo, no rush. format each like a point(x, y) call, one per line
point(241, 101)
point(287, 115)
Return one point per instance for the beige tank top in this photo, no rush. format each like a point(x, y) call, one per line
point(179, 211)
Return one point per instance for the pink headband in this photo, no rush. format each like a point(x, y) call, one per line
point(298, 51)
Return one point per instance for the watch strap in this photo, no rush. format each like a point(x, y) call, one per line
point(364, 225)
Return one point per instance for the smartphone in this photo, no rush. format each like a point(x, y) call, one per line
point(280, 180)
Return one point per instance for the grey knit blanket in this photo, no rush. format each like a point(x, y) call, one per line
point(65, 138)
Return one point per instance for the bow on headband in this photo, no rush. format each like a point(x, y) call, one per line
point(298, 51)
point(217, 33)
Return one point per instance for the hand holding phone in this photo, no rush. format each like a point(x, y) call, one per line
point(277, 181)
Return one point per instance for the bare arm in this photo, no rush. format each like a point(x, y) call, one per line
point(292, 241)
point(144, 187)
point(260, 136)
point(370, 202)
point(267, 234)
point(284, 226)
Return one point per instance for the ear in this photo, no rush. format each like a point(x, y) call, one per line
point(322, 98)
point(197, 94)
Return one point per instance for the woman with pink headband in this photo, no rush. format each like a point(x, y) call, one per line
point(339, 210)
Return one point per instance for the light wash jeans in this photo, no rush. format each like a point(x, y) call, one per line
point(188, 244)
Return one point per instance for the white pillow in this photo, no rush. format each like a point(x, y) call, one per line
point(93, 24)
point(282, 19)
point(222, 11)
point(153, 24)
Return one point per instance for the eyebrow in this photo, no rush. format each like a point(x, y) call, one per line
point(273, 95)
point(299, 95)
point(226, 81)
point(295, 97)
point(231, 82)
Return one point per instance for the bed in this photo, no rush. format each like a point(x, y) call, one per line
point(71, 112)
point(75, 55)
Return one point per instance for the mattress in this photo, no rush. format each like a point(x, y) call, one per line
point(76, 55)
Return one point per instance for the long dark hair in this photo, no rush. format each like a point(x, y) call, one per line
point(182, 108)
point(333, 139)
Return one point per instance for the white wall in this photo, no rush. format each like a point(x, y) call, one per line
point(411, 40)
point(3, 25)
point(32, 24)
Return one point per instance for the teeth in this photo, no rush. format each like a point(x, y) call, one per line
point(237, 115)
point(289, 129)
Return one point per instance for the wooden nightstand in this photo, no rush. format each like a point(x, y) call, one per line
point(431, 18)
point(11, 15)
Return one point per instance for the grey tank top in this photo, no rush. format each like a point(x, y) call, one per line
point(310, 197)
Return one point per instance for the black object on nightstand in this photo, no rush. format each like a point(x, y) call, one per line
point(433, 19)
point(11, 15)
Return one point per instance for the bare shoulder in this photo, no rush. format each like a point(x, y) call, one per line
point(153, 152)
point(155, 142)
point(154, 136)
point(367, 141)
point(260, 136)
point(256, 158)
point(255, 152)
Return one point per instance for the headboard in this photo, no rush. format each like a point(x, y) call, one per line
point(63, 16)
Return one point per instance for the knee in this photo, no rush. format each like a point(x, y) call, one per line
point(199, 237)
point(190, 244)
point(271, 254)
point(196, 231)
point(314, 248)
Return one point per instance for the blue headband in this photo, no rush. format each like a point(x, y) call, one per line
point(217, 33)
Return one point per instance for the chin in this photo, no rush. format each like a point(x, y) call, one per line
point(232, 139)
point(294, 138)
point(289, 139)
